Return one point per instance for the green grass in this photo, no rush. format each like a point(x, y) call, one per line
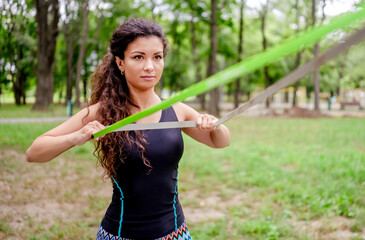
point(25, 111)
point(293, 169)
point(279, 179)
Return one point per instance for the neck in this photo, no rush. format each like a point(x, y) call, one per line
point(144, 99)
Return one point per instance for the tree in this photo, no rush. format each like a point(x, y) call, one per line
point(47, 16)
point(17, 51)
point(82, 52)
point(92, 50)
point(212, 69)
point(11, 49)
point(263, 16)
point(341, 72)
point(240, 50)
point(299, 54)
point(316, 53)
point(195, 13)
point(71, 31)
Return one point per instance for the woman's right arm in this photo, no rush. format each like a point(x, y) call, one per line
point(75, 131)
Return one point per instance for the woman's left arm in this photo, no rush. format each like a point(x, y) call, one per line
point(205, 132)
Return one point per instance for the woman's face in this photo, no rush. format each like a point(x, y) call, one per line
point(143, 63)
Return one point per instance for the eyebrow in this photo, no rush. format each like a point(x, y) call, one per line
point(159, 52)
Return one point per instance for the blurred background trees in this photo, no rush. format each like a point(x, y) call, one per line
point(49, 48)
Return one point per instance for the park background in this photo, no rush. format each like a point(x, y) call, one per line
point(295, 168)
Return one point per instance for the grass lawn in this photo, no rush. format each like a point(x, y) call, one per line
point(279, 179)
point(22, 111)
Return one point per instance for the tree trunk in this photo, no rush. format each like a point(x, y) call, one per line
point(9, 35)
point(214, 94)
point(95, 47)
point(296, 84)
point(299, 54)
point(70, 32)
point(17, 84)
point(316, 80)
point(47, 31)
point(45, 84)
point(82, 52)
point(316, 71)
point(16, 51)
point(316, 74)
point(2, 77)
point(70, 67)
point(341, 72)
point(237, 92)
point(268, 79)
point(22, 79)
point(60, 95)
point(201, 97)
point(84, 84)
point(19, 87)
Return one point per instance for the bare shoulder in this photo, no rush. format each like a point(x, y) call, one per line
point(184, 112)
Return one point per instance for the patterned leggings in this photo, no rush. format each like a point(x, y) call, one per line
point(182, 233)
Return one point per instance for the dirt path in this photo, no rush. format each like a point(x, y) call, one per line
point(33, 120)
point(255, 111)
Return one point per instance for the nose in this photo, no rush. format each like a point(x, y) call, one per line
point(148, 67)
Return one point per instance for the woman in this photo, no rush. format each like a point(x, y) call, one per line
point(143, 166)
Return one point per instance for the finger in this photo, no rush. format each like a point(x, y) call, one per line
point(99, 125)
point(205, 121)
point(199, 122)
point(94, 139)
point(96, 126)
point(93, 130)
point(211, 123)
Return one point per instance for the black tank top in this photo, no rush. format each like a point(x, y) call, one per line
point(145, 204)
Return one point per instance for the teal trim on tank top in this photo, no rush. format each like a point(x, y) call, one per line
point(177, 174)
point(122, 206)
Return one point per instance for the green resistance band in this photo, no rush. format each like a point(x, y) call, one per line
point(251, 64)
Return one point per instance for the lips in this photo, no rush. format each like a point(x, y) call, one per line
point(148, 77)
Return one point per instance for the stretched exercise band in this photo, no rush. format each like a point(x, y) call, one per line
point(251, 64)
point(290, 78)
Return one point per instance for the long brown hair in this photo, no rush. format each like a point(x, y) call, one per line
point(110, 90)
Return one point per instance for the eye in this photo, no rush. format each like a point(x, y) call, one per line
point(158, 57)
point(138, 57)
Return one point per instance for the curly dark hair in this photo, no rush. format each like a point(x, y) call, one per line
point(110, 90)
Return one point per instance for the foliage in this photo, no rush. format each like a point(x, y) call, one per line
point(176, 17)
point(17, 44)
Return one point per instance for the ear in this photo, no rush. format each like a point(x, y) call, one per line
point(120, 63)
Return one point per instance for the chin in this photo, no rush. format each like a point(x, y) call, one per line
point(147, 87)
